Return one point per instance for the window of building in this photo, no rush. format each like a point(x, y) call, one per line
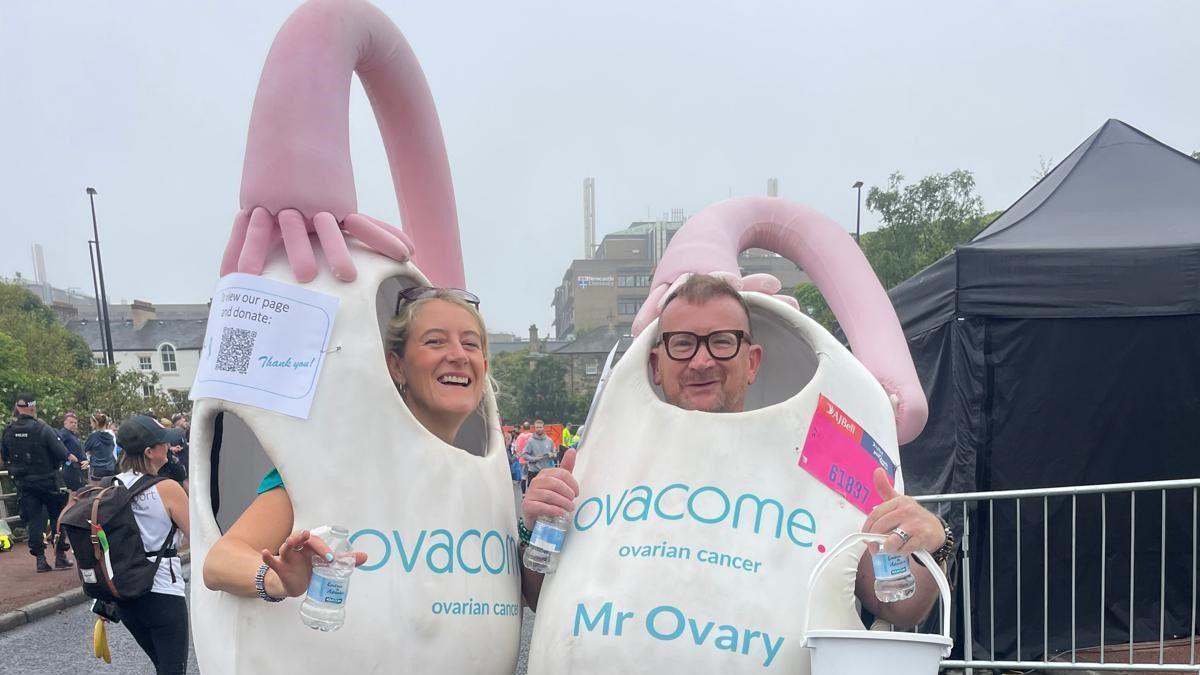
point(168, 359)
point(145, 363)
point(147, 390)
point(100, 360)
point(633, 280)
point(591, 366)
point(628, 306)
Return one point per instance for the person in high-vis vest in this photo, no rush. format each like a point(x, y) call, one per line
point(705, 360)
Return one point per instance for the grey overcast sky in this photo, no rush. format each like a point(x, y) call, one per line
point(668, 104)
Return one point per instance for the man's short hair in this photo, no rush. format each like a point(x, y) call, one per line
point(700, 288)
point(537, 422)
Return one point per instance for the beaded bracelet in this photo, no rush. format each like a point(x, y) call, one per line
point(259, 581)
point(523, 531)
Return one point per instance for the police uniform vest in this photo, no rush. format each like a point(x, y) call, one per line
point(695, 534)
point(28, 456)
point(440, 591)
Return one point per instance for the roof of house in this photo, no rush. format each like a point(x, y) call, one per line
point(181, 333)
point(596, 341)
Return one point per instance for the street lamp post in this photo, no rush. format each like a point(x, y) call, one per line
point(858, 215)
point(96, 293)
point(108, 345)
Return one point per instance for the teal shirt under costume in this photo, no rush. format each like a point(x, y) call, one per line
point(270, 481)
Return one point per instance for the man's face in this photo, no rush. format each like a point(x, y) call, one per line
point(539, 428)
point(181, 423)
point(702, 382)
point(71, 424)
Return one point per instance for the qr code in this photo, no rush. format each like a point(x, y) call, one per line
point(236, 346)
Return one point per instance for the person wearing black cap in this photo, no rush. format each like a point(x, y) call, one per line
point(158, 620)
point(33, 452)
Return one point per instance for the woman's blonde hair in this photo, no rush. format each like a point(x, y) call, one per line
point(398, 328)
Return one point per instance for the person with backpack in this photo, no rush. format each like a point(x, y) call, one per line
point(158, 619)
point(33, 453)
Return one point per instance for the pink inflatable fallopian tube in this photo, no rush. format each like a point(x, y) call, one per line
point(298, 179)
point(712, 239)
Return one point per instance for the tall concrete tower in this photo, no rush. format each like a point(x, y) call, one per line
point(772, 187)
point(589, 218)
point(39, 274)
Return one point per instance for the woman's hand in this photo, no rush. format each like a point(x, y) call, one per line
point(293, 565)
point(552, 492)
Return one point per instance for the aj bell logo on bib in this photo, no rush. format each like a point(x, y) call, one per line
point(842, 456)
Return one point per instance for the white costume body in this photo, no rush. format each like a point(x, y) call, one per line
point(441, 588)
point(662, 569)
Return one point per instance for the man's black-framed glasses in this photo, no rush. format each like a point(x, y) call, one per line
point(420, 292)
point(682, 345)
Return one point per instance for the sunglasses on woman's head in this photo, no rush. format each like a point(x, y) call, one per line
point(420, 292)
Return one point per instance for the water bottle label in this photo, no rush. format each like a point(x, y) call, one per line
point(547, 537)
point(889, 566)
point(327, 590)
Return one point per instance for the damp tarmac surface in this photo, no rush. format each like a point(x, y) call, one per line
point(62, 644)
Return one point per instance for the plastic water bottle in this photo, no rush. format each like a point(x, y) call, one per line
point(893, 580)
point(545, 544)
point(324, 606)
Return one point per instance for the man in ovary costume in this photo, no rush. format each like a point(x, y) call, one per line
point(700, 505)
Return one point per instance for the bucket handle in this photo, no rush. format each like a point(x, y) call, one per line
point(856, 543)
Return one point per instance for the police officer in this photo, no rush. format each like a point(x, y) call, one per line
point(33, 452)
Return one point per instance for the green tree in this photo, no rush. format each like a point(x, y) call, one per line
point(533, 388)
point(922, 222)
point(39, 354)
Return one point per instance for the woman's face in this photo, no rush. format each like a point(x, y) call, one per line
point(444, 368)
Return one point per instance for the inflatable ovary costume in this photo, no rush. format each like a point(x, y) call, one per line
point(695, 534)
point(437, 522)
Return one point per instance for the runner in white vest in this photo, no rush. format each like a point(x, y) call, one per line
point(694, 523)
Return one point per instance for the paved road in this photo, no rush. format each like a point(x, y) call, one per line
point(62, 644)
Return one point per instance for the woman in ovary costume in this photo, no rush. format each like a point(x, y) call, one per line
point(402, 444)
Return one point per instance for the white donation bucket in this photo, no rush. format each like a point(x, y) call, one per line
point(856, 651)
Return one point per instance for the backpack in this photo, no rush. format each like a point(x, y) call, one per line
point(111, 558)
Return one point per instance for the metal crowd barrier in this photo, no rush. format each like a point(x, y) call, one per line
point(5, 497)
point(1113, 624)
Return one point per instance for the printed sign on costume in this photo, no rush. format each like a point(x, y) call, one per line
point(265, 344)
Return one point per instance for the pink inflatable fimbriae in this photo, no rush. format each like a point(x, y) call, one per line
point(711, 240)
point(298, 179)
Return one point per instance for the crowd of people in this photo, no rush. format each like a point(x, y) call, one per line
point(51, 470)
point(527, 459)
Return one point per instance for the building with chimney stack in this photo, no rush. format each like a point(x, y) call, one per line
point(163, 340)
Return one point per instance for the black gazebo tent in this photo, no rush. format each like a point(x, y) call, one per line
point(1061, 346)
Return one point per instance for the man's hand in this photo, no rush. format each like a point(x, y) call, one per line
point(72, 458)
point(924, 530)
point(552, 492)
